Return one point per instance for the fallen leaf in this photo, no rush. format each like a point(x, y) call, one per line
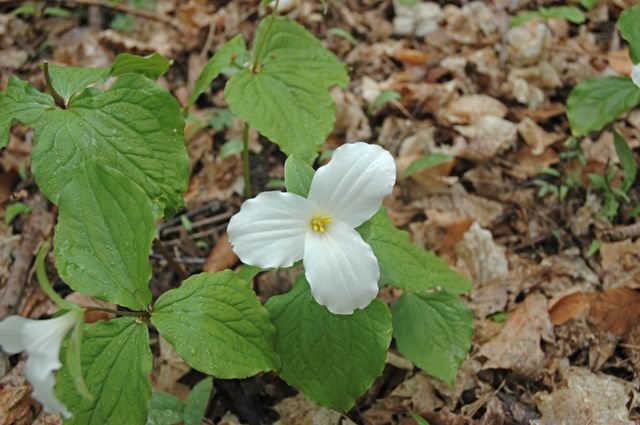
point(479, 256)
point(221, 256)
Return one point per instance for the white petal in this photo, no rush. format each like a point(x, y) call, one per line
point(43, 385)
point(351, 186)
point(341, 269)
point(41, 339)
point(11, 334)
point(635, 74)
point(269, 229)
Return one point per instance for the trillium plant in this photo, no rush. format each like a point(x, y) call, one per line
point(114, 162)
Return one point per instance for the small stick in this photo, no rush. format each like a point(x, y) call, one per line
point(172, 262)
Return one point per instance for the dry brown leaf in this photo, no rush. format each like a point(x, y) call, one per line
point(221, 256)
point(526, 164)
point(570, 306)
point(536, 137)
point(616, 311)
point(299, 410)
point(480, 257)
point(587, 398)
point(411, 56)
point(470, 108)
point(518, 346)
point(168, 368)
point(487, 136)
point(419, 20)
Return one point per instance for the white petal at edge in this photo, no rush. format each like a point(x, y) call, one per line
point(269, 230)
point(352, 185)
point(43, 383)
point(635, 74)
point(341, 269)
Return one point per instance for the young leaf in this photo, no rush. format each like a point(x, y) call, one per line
point(630, 31)
point(434, 331)
point(220, 60)
point(103, 237)
point(404, 265)
point(588, 4)
point(116, 362)
point(332, 358)
point(22, 102)
point(153, 66)
point(70, 80)
point(570, 13)
point(594, 103)
point(218, 326)
point(135, 127)
point(14, 210)
point(197, 402)
point(627, 161)
point(297, 176)
point(384, 97)
point(424, 162)
point(165, 409)
point(285, 96)
point(343, 34)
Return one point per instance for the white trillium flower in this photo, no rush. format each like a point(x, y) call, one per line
point(635, 74)
point(276, 229)
point(41, 339)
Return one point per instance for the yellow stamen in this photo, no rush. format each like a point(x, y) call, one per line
point(319, 223)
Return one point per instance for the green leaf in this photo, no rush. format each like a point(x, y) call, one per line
point(248, 273)
point(404, 265)
point(135, 127)
point(22, 102)
point(570, 13)
point(594, 103)
point(197, 402)
point(14, 210)
point(58, 12)
point(116, 362)
point(424, 162)
point(297, 176)
point(384, 97)
point(627, 161)
point(70, 80)
point(630, 31)
point(165, 409)
point(74, 357)
point(523, 18)
point(218, 326)
point(286, 96)
point(153, 66)
point(332, 358)
point(230, 148)
point(434, 331)
point(588, 4)
point(224, 57)
point(103, 237)
point(343, 34)
point(419, 419)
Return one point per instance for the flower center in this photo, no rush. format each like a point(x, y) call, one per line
point(319, 223)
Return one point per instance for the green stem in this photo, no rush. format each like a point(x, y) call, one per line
point(47, 78)
point(118, 312)
point(256, 53)
point(43, 279)
point(245, 161)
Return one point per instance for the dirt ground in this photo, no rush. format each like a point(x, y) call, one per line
point(557, 337)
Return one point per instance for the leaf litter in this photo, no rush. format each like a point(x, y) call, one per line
point(557, 328)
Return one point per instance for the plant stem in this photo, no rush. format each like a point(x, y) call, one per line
point(256, 53)
point(47, 77)
point(245, 161)
point(118, 312)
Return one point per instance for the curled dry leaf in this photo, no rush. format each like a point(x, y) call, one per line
point(421, 19)
point(586, 398)
point(480, 256)
point(536, 137)
point(517, 347)
point(487, 136)
point(221, 256)
point(470, 108)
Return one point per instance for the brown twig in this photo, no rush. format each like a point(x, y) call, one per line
point(620, 233)
point(172, 262)
point(36, 227)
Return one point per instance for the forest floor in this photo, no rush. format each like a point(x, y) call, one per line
point(557, 337)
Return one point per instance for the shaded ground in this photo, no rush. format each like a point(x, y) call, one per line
point(557, 338)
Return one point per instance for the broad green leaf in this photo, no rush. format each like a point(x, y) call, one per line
point(403, 264)
point(248, 273)
point(153, 66)
point(523, 18)
point(332, 358)
point(135, 127)
point(197, 402)
point(236, 47)
point(424, 162)
point(103, 237)
point(14, 210)
point(297, 176)
point(21, 102)
point(594, 103)
point(588, 4)
point(285, 97)
point(70, 80)
point(165, 409)
point(627, 161)
point(434, 331)
point(218, 326)
point(629, 25)
point(116, 362)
